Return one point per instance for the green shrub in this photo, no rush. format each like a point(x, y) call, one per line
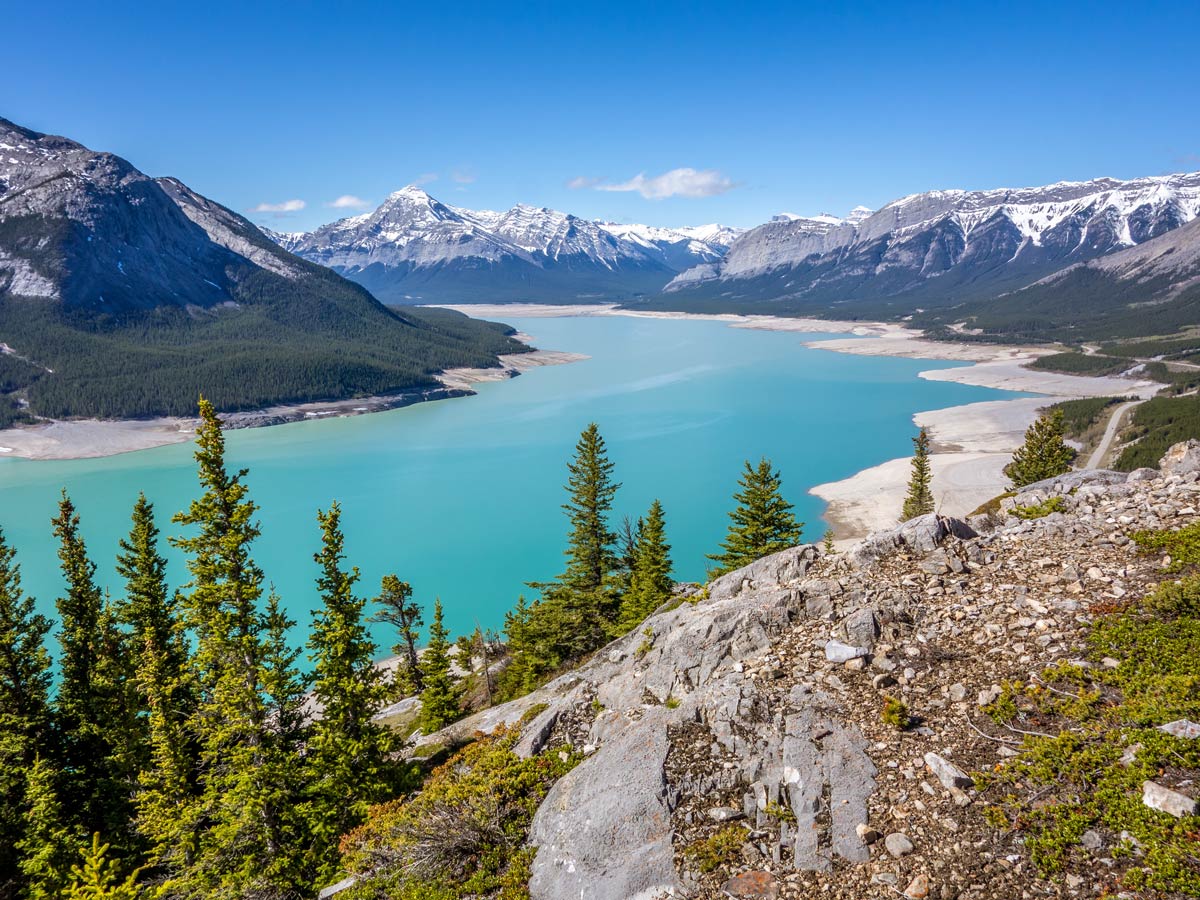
point(895, 713)
point(464, 835)
point(1040, 510)
point(720, 849)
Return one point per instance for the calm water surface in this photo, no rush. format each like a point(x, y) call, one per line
point(462, 497)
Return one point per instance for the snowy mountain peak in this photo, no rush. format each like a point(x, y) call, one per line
point(412, 233)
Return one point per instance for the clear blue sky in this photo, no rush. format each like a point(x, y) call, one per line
point(777, 107)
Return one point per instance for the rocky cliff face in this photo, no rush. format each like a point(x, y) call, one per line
point(760, 705)
point(942, 247)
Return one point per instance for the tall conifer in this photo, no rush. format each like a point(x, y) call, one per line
point(348, 750)
point(241, 824)
point(94, 703)
point(650, 583)
point(25, 722)
point(762, 522)
point(919, 500)
point(439, 700)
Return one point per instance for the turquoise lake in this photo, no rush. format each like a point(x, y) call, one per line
point(462, 498)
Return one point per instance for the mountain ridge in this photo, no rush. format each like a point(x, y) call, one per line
point(415, 248)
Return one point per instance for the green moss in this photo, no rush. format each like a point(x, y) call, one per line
point(719, 850)
point(992, 507)
point(780, 813)
point(671, 703)
point(895, 713)
point(1183, 546)
point(532, 713)
point(647, 643)
point(1040, 510)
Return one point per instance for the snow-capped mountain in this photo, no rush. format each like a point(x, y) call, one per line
point(943, 246)
point(414, 248)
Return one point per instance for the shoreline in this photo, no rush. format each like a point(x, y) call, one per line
point(98, 438)
point(971, 443)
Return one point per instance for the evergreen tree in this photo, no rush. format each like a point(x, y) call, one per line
point(762, 522)
point(439, 700)
point(650, 583)
point(919, 500)
point(1044, 453)
point(399, 610)
point(348, 750)
point(25, 722)
point(590, 558)
point(233, 839)
point(99, 878)
point(94, 704)
point(50, 839)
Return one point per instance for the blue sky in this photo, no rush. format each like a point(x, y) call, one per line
point(796, 107)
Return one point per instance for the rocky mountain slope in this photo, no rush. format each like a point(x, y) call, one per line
point(738, 744)
point(936, 249)
point(126, 295)
point(1151, 288)
point(414, 248)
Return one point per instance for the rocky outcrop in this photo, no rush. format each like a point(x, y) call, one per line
point(758, 707)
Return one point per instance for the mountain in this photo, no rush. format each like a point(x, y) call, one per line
point(416, 249)
point(1152, 288)
point(934, 249)
point(126, 295)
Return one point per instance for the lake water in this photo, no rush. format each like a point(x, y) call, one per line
point(462, 497)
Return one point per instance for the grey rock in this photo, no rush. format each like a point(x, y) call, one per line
point(898, 844)
point(725, 814)
point(1140, 475)
point(1091, 840)
point(584, 825)
point(1166, 800)
point(1181, 728)
point(862, 628)
point(836, 651)
point(1181, 459)
point(950, 775)
point(334, 889)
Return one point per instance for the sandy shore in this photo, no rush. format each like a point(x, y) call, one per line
point(92, 438)
point(972, 443)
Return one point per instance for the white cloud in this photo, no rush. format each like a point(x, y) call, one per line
point(425, 178)
point(285, 207)
point(578, 184)
point(676, 183)
point(348, 201)
point(463, 176)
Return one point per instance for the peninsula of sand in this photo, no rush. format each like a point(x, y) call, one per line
point(971, 443)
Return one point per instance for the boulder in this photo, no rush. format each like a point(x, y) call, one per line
point(898, 844)
point(1181, 459)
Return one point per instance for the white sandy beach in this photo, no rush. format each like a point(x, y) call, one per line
point(972, 443)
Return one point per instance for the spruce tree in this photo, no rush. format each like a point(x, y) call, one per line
point(590, 487)
point(439, 700)
point(1044, 453)
point(762, 521)
point(650, 584)
point(25, 721)
point(398, 609)
point(159, 656)
point(919, 499)
point(50, 840)
point(94, 704)
point(235, 834)
point(99, 878)
point(348, 750)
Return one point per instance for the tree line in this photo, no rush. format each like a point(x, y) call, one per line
point(182, 753)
